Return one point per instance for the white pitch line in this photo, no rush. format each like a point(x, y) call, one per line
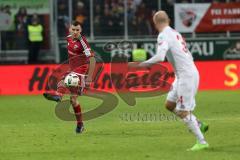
point(222, 119)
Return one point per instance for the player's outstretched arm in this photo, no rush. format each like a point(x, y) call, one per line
point(92, 63)
point(158, 57)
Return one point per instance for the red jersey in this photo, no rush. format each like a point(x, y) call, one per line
point(79, 52)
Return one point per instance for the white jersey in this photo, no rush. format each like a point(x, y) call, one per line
point(172, 45)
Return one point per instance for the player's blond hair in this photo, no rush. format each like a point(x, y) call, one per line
point(161, 17)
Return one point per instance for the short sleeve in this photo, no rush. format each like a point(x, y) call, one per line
point(87, 49)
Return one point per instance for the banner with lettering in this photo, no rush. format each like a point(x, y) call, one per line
point(207, 17)
point(201, 49)
point(33, 79)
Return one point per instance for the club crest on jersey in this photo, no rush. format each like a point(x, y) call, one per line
point(75, 47)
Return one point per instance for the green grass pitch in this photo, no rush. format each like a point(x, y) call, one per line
point(30, 130)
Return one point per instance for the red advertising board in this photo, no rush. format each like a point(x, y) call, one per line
point(33, 79)
point(207, 17)
point(220, 17)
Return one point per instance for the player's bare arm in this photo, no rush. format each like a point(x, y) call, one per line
point(92, 63)
point(161, 21)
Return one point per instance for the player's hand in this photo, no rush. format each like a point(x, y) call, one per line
point(88, 81)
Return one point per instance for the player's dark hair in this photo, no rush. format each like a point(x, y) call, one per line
point(76, 23)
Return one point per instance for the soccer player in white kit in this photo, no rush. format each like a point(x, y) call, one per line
point(181, 99)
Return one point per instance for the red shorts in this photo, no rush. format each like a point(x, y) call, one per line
point(73, 90)
point(81, 70)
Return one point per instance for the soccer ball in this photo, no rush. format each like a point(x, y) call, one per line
point(71, 80)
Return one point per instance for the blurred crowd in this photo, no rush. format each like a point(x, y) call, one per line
point(108, 19)
point(108, 15)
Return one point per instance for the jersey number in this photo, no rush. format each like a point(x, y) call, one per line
point(183, 42)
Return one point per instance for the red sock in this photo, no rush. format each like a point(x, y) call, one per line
point(78, 113)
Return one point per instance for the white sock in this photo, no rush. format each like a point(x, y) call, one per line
point(192, 123)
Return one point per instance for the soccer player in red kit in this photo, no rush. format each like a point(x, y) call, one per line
point(81, 61)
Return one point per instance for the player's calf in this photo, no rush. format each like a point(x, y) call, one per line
point(78, 114)
point(191, 122)
point(170, 106)
point(203, 126)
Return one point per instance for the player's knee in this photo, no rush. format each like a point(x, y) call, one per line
point(182, 114)
point(170, 105)
point(73, 101)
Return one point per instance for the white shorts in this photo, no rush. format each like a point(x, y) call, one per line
point(183, 92)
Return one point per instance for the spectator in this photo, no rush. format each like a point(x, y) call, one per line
point(143, 15)
point(63, 19)
point(107, 23)
point(109, 17)
point(169, 8)
point(97, 20)
point(8, 37)
point(117, 16)
point(81, 13)
point(7, 9)
point(35, 36)
point(140, 17)
point(21, 28)
point(143, 26)
point(133, 26)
